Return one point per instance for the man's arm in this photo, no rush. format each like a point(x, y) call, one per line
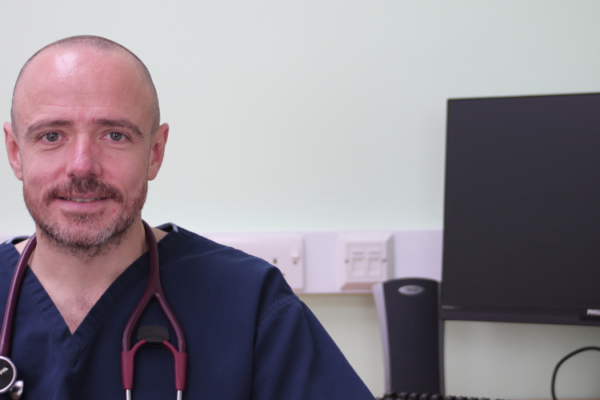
point(296, 359)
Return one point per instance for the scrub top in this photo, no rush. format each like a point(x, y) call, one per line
point(248, 336)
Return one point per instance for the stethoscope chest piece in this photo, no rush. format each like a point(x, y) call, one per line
point(8, 378)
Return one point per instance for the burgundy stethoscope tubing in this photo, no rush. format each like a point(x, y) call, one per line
point(153, 289)
point(13, 295)
point(9, 384)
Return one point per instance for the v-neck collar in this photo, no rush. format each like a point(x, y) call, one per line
point(73, 344)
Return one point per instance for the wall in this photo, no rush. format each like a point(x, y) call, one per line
point(327, 115)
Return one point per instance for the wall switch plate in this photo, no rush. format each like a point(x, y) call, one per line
point(284, 251)
point(364, 259)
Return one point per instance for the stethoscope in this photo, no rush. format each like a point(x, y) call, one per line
point(147, 335)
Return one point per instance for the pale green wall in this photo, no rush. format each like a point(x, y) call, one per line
point(321, 114)
point(515, 361)
point(351, 320)
point(482, 359)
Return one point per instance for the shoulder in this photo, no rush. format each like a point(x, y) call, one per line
point(222, 271)
point(184, 249)
point(11, 249)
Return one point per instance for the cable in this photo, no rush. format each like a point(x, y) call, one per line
point(565, 358)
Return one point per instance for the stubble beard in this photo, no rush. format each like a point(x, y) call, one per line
point(84, 235)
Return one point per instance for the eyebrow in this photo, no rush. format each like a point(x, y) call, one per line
point(47, 124)
point(122, 123)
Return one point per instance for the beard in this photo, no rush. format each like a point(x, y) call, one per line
point(84, 234)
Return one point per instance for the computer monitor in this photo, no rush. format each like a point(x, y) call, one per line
point(522, 210)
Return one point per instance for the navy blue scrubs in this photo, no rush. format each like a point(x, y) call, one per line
point(248, 336)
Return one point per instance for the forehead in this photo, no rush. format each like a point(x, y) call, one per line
point(81, 82)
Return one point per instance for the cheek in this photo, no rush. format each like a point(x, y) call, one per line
point(129, 172)
point(39, 171)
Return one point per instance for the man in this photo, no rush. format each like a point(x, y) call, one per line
point(85, 139)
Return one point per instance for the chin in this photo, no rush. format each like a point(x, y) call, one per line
point(85, 231)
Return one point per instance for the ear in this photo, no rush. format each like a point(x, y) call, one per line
point(157, 151)
point(12, 148)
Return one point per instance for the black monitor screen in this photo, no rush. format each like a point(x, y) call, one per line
point(522, 210)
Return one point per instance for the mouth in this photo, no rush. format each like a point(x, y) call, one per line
point(82, 200)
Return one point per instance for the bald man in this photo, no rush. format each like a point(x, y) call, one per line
point(85, 139)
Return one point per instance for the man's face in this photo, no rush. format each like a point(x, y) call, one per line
point(82, 144)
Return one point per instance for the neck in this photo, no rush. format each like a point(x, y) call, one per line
point(75, 280)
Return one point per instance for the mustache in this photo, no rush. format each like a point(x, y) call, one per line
point(82, 186)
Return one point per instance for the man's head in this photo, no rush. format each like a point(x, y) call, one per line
point(85, 139)
point(100, 44)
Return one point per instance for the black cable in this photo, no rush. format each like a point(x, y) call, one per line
point(565, 358)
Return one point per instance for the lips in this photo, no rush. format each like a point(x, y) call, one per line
point(80, 200)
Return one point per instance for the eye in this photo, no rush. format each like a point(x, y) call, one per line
point(116, 136)
point(51, 136)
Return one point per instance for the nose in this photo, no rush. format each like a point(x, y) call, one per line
point(84, 158)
